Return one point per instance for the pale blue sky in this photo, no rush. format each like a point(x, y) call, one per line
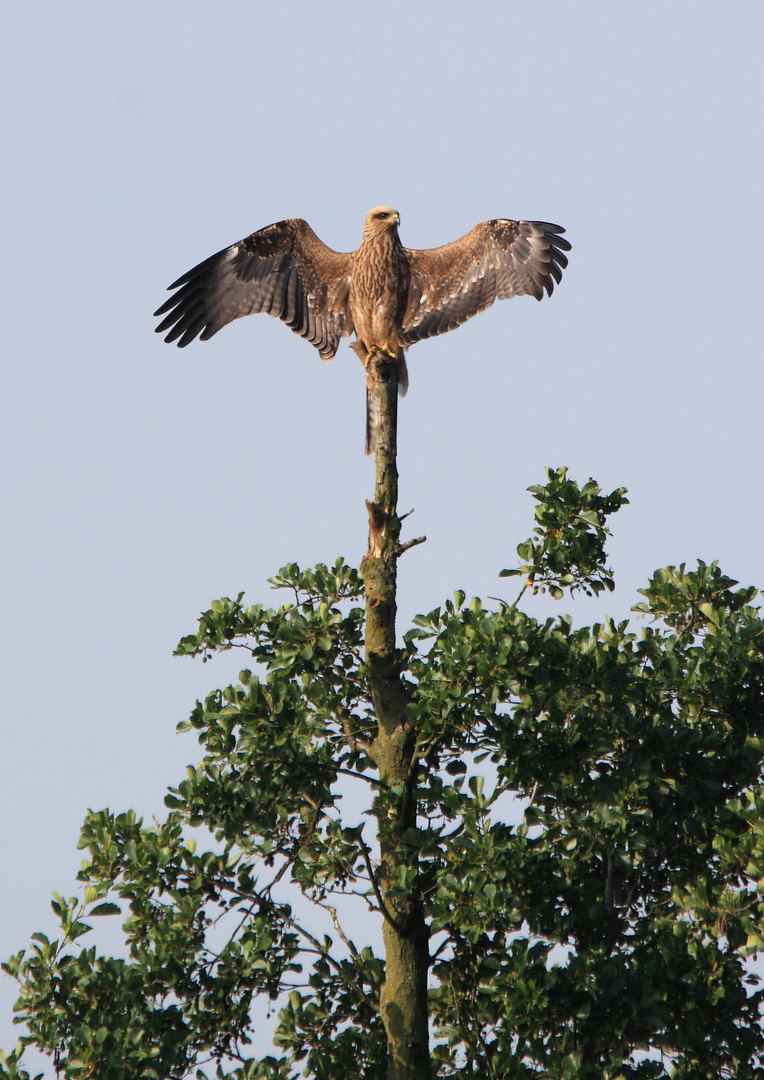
point(141, 482)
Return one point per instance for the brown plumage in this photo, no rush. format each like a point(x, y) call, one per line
point(388, 295)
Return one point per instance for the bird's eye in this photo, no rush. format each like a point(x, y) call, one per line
point(382, 215)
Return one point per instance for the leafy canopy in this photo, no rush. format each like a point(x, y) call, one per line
point(588, 847)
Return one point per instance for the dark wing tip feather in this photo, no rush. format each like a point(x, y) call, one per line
point(191, 308)
point(282, 270)
point(547, 258)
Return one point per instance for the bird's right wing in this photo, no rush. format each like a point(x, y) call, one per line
point(494, 261)
point(283, 270)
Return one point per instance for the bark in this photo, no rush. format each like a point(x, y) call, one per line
point(403, 1000)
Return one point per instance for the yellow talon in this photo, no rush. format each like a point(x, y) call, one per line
point(380, 349)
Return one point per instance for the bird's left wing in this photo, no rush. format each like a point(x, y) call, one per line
point(494, 261)
point(283, 270)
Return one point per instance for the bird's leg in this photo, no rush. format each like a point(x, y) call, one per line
point(380, 349)
point(365, 357)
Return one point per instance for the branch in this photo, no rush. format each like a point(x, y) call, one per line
point(336, 923)
point(526, 586)
point(348, 943)
point(448, 940)
point(320, 950)
point(353, 741)
point(497, 792)
point(279, 875)
point(372, 878)
point(401, 548)
point(609, 884)
point(409, 783)
point(357, 776)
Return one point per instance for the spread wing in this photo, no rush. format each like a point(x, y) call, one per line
point(283, 270)
point(495, 260)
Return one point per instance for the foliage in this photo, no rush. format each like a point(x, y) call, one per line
point(588, 850)
point(567, 550)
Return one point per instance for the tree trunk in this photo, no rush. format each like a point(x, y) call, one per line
point(403, 999)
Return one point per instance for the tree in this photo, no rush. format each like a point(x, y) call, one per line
point(562, 832)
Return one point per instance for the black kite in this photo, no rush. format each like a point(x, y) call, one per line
point(388, 295)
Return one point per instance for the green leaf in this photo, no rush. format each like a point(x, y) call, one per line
point(105, 909)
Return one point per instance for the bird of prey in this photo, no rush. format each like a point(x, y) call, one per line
point(388, 295)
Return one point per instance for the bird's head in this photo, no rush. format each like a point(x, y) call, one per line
point(381, 219)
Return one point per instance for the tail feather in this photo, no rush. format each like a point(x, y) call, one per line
point(403, 375)
point(372, 420)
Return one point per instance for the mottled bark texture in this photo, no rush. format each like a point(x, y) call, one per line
point(404, 994)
